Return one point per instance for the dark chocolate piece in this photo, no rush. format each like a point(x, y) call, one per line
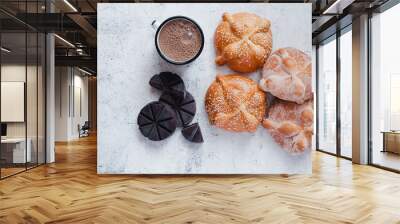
point(193, 133)
point(157, 121)
point(170, 83)
point(185, 109)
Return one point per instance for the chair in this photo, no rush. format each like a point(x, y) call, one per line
point(84, 130)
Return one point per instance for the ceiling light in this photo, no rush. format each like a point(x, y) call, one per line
point(65, 41)
point(79, 51)
point(70, 5)
point(5, 50)
point(333, 8)
point(84, 71)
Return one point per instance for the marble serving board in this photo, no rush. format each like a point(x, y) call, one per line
point(127, 59)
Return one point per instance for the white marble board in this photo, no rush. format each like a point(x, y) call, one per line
point(127, 58)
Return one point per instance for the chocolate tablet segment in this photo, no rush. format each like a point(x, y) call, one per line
point(176, 107)
point(156, 82)
point(157, 121)
point(193, 133)
point(170, 83)
point(185, 109)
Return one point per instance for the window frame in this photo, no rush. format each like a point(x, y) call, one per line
point(381, 9)
point(334, 37)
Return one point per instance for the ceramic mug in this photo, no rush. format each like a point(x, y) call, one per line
point(159, 28)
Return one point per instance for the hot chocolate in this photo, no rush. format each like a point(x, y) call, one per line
point(180, 40)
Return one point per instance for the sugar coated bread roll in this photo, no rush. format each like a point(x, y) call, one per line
point(287, 75)
point(291, 125)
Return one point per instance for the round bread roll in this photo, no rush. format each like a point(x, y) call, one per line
point(243, 41)
point(287, 75)
point(235, 103)
point(291, 125)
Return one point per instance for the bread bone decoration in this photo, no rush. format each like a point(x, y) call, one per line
point(235, 103)
point(287, 75)
point(291, 125)
point(243, 41)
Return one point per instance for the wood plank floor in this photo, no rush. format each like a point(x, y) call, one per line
point(70, 191)
point(5, 172)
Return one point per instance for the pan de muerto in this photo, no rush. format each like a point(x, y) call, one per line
point(291, 125)
point(243, 41)
point(287, 75)
point(235, 103)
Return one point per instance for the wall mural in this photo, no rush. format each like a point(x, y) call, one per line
point(204, 88)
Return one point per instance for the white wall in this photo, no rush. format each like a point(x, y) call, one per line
point(17, 72)
point(62, 81)
point(14, 72)
point(33, 127)
point(69, 84)
point(79, 117)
